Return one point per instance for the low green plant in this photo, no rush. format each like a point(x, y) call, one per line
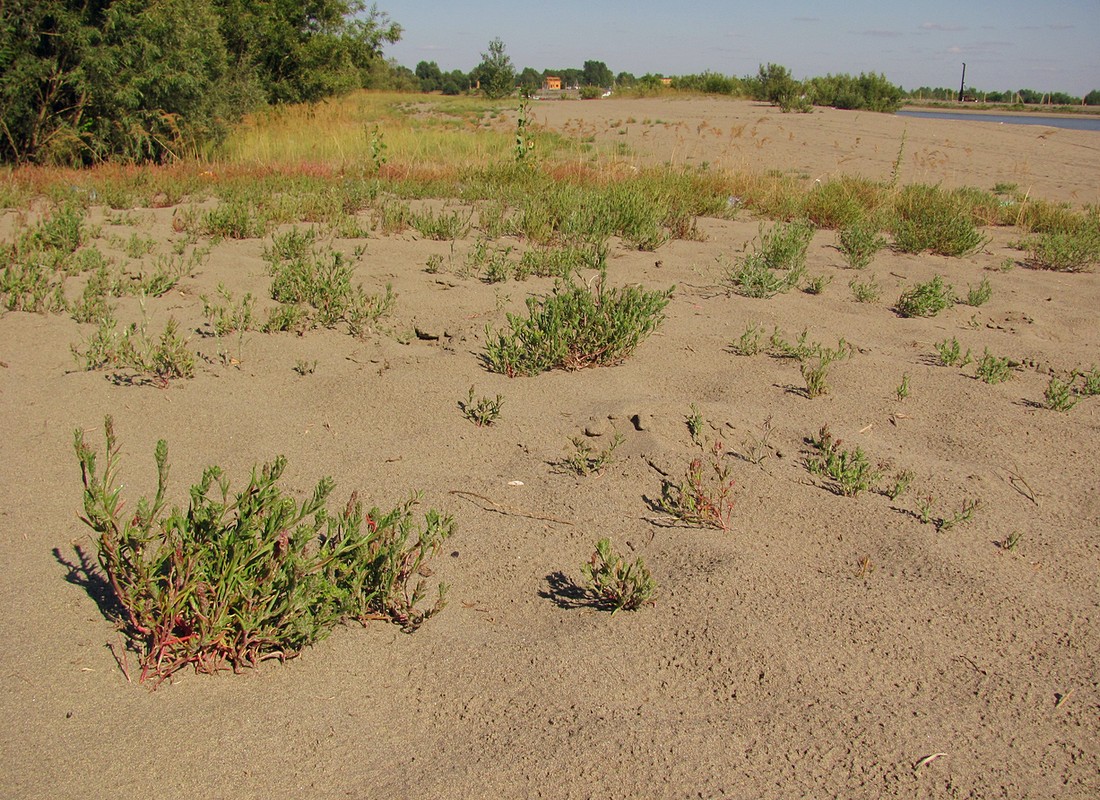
point(482, 411)
point(926, 299)
point(234, 219)
point(236, 579)
point(1064, 251)
point(230, 316)
point(138, 246)
point(752, 277)
point(817, 285)
point(784, 246)
point(902, 391)
point(750, 341)
point(443, 226)
point(93, 304)
point(867, 291)
point(859, 242)
point(1090, 382)
point(1059, 394)
point(993, 369)
point(132, 350)
point(960, 517)
point(586, 459)
point(576, 327)
point(815, 367)
point(305, 367)
point(1010, 542)
point(757, 447)
point(929, 218)
point(979, 295)
point(695, 424)
point(616, 584)
point(704, 496)
point(902, 481)
point(849, 470)
point(950, 353)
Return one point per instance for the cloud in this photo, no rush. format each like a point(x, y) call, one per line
point(938, 26)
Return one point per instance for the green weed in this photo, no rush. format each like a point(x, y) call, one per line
point(483, 411)
point(749, 343)
point(926, 299)
point(980, 295)
point(817, 284)
point(859, 242)
point(867, 291)
point(576, 327)
point(849, 470)
point(616, 584)
point(234, 580)
point(902, 391)
point(992, 369)
point(1059, 394)
point(704, 496)
point(586, 459)
point(950, 353)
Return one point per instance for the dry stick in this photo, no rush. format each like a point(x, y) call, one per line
point(1014, 476)
point(505, 510)
point(1063, 698)
point(927, 760)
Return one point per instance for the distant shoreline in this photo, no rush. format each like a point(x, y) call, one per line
point(1002, 109)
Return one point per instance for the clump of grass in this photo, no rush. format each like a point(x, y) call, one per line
point(750, 342)
point(320, 284)
point(1090, 386)
point(950, 353)
point(815, 367)
point(231, 316)
point(576, 327)
point(994, 369)
point(587, 460)
point(902, 391)
point(1075, 250)
point(704, 496)
point(818, 284)
point(694, 422)
point(131, 349)
point(867, 291)
point(902, 481)
point(784, 246)
point(482, 411)
point(1059, 394)
point(752, 277)
point(234, 219)
point(960, 517)
point(616, 584)
point(443, 226)
point(859, 242)
point(979, 295)
point(849, 470)
point(234, 580)
point(930, 219)
point(926, 299)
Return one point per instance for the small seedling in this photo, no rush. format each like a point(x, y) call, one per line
point(992, 369)
point(304, 367)
point(867, 291)
point(924, 508)
point(749, 342)
point(850, 470)
point(815, 368)
point(695, 424)
point(757, 447)
point(950, 353)
point(817, 284)
point(703, 497)
point(901, 484)
point(614, 583)
point(963, 515)
point(484, 411)
point(926, 299)
point(979, 295)
point(1059, 395)
point(587, 460)
point(902, 391)
point(1091, 383)
point(1010, 542)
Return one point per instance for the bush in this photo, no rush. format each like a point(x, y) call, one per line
point(931, 219)
point(576, 327)
point(926, 299)
point(235, 580)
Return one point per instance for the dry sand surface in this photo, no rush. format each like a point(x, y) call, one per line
point(823, 647)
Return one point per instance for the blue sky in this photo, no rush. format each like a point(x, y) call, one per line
point(1046, 45)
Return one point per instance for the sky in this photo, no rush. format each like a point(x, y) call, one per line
point(1045, 45)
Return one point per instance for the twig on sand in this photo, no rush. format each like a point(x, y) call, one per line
point(122, 660)
point(927, 760)
point(1014, 478)
point(507, 511)
point(1062, 698)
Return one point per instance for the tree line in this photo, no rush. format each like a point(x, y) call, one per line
point(86, 80)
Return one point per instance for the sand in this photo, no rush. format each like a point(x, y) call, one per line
point(826, 646)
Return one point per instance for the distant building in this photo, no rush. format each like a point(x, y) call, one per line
point(552, 84)
point(666, 81)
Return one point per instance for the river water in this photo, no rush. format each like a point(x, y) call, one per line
point(1072, 122)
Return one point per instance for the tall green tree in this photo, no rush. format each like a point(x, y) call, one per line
point(596, 73)
point(495, 73)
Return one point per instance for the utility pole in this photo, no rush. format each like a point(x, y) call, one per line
point(962, 85)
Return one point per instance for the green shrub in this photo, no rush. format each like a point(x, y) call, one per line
point(752, 277)
point(705, 495)
point(237, 579)
point(993, 369)
point(926, 299)
point(859, 242)
point(929, 218)
point(1074, 251)
point(849, 470)
point(867, 291)
point(576, 327)
point(785, 245)
point(614, 583)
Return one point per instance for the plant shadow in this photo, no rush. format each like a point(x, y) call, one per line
point(85, 573)
point(565, 592)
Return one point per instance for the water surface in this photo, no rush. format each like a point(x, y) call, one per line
point(1077, 123)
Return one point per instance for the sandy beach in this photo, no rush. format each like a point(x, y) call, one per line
point(825, 646)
